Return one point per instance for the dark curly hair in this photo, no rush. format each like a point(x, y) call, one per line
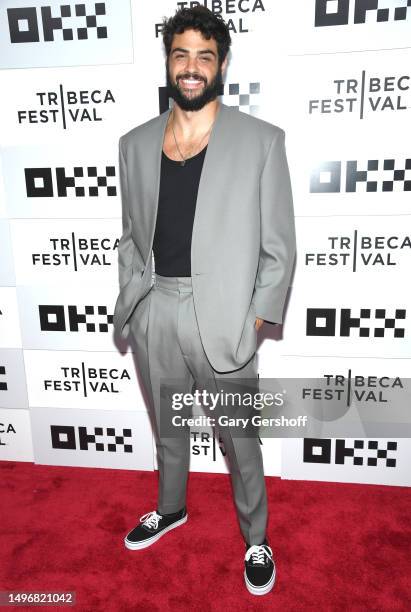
point(198, 18)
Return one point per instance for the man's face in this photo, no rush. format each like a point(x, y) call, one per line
point(193, 75)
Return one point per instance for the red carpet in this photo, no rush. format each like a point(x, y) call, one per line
point(337, 546)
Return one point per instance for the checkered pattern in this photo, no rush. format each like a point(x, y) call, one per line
point(244, 101)
point(3, 384)
point(348, 323)
point(52, 24)
point(366, 14)
point(391, 178)
point(86, 439)
point(65, 182)
point(379, 332)
point(398, 176)
point(76, 319)
point(342, 451)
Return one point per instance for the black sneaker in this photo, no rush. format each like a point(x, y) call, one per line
point(152, 527)
point(259, 572)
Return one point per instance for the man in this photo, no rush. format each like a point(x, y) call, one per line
point(206, 194)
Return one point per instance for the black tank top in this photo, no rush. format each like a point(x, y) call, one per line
point(175, 215)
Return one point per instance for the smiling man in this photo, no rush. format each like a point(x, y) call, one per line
point(192, 90)
point(205, 257)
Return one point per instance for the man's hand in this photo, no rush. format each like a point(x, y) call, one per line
point(258, 323)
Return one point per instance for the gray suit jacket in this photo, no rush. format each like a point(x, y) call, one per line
point(243, 240)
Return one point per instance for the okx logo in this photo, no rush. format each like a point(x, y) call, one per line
point(54, 318)
point(353, 176)
point(79, 182)
point(31, 24)
point(68, 437)
point(376, 453)
point(362, 11)
point(323, 322)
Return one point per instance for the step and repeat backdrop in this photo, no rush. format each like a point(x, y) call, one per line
point(75, 76)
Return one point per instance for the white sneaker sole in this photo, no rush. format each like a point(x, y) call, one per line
point(262, 590)
point(154, 538)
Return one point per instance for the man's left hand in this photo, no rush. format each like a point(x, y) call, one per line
point(258, 323)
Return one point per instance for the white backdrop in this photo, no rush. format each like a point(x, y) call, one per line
point(335, 76)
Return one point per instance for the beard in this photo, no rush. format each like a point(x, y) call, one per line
point(209, 92)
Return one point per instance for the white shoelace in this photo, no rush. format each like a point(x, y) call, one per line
point(258, 553)
point(151, 519)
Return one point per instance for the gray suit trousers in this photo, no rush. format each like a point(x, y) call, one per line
point(168, 346)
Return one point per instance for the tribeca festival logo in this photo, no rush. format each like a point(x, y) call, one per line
point(353, 176)
point(323, 322)
point(49, 23)
point(5, 430)
point(77, 253)
point(64, 437)
point(360, 251)
point(79, 182)
point(234, 13)
point(53, 318)
point(359, 96)
point(208, 444)
point(86, 380)
point(66, 107)
point(321, 451)
point(351, 387)
point(332, 13)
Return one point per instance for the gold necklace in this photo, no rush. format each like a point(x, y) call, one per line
point(183, 161)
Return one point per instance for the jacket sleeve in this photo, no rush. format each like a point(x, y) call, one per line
point(277, 245)
point(126, 246)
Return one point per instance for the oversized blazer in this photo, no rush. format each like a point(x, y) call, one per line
point(243, 238)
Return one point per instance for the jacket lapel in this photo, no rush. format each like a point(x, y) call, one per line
point(208, 195)
point(152, 175)
point(209, 170)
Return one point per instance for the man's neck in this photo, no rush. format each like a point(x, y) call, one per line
point(190, 123)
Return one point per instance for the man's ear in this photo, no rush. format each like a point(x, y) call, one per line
point(224, 65)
